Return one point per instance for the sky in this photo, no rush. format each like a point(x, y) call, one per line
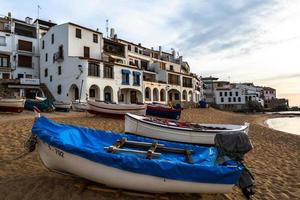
point(237, 40)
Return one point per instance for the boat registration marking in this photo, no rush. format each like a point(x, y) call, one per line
point(58, 152)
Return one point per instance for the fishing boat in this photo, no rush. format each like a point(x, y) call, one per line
point(164, 111)
point(62, 106)
point(41, 103)
point(79, 106)
point(11, 105)
point(179, 131)
point(131, 162)
point(114, 110)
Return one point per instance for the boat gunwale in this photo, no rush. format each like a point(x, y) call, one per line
point(243, 127)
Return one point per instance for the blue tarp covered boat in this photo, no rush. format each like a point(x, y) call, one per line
point(85, 152)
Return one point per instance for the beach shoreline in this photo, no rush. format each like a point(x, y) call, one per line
point(275, 173)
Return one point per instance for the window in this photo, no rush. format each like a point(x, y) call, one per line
point(147, 93)
point(46, 57)
point(24, 61)
point(136, 78)
point(221, 94)
point(59, 89)
point(236, 93)
point(4, 62)
point(234, 99)
point(93, 70)
point(53, 58)
point(125, 76)
point(229, 99)
point(52, 38)
point(225, 94)
point(20, 76)
point(222, 99)
point(86, 52)
point(78, 33)
point(28, 76)
point(136, 50)
point(51, 78)
point(59, 70)
point(144, 64)
point(239, 99)
point(230, 94)
point(108, 71)
point(43, 44)
point(24, 45)
point(5, 75)
point(2, 41)
point(136, 63)
point(46, 72)
point(187, 82)
point(171, 68)
point(95, 38)
point(173, 79)
point(129, 47)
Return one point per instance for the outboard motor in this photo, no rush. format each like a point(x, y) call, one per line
point(234, 146)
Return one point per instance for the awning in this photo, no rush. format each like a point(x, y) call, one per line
point(125, 71)
point(136, 73)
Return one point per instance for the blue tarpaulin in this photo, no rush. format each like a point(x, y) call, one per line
point(90, 143)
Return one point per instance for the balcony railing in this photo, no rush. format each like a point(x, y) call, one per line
point(29, 50)
point(4, 44)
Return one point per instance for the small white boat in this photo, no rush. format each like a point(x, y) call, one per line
point(79, 106)
point(115, 110)
point(179, 131)
point(62, 106)
point(11, 105)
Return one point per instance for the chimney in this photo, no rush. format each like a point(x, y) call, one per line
point(174, 53)
point(160, 50)
point(180, 59)
point(112, 33)
point(28, 20)
point(9, 15)
point(140, 44)
point(115, 36)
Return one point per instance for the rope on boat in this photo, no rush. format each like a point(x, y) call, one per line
point(29, 146)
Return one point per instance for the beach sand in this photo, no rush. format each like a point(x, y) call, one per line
point(274, 161)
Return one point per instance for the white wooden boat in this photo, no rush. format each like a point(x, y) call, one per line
point(11, 105)
point(62, 106)
point(79, 106)
point(179, 131)
point(114, 110)
point(83, 152)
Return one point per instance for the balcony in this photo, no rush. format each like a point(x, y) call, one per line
point(59, 56)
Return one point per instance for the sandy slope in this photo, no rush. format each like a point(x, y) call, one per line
point(275, 160)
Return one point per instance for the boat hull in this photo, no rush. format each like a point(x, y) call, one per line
point(61, 106)
point(148, 129)
point(114, 110)
point(12, 105)
point(57, 159)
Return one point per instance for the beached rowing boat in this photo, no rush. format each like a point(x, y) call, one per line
point(43, 104)
point(79, 106)
point(132, 162)
point(164, 111)
point(179, 131)
point(114, 110)
point(62, 106)
point(11, 105)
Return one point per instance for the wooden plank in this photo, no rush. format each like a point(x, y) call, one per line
point(115, 149)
